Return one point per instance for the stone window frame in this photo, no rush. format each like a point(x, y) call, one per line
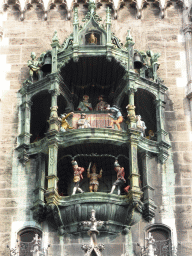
point(159, 226)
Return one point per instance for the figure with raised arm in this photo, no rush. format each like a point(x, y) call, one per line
point(120, 178)
point(117, 117)
point(77, 177)
point(94, 183)
point(64, 124)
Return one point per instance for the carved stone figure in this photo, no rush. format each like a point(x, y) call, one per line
point(117, 117)
point(93, 178)
point(64, 123)
point(153, 61)
point(92, 39)
point(35, 67)
point(120, 178)
point(77, 177)
point(101, 105)
point(83, 122)
point(85, 105)
point(141, 125)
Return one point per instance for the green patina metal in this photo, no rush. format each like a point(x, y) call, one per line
point(93, 40)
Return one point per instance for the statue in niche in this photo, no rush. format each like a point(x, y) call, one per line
point(151, 135)
point(141, 125)
point(117, 117)
point(35, 67)
point(77, 177)
point(64, 124)
point(101, 105)
point(93, 178)
point(153, 61)
point(83, 122)
point(84, 105)
point(92, 39)
point(120, 178)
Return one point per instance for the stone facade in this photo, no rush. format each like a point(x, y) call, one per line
point(171, 180)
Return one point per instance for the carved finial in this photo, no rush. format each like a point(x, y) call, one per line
point(129, 39)
point(55, 37)
point(75, 18)
point(108, 15)
point(92, 7)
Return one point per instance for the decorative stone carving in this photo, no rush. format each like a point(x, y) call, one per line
point(139, 5)
point(93, 232)
point(162, 4)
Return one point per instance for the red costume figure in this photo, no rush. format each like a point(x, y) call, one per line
point(120, 178)
point(77, 177)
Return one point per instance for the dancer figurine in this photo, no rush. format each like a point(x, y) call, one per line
point(93, 178)
point(77, 177)
point(116, 115)
point(120, 178)
point(64, 123)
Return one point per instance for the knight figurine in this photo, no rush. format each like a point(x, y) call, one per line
point(120, 178)
point(93, 178)
point(77, 177)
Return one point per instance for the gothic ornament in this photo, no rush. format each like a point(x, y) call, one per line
point(93, 232)
point(139, 5)
point(162, 4)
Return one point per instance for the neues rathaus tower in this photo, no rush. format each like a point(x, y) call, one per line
point(95, 135)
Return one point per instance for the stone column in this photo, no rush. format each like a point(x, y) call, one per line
point(25, 121)
point(40, 180)
point(187, 29)
point(148, 190)
point(131, 108)
point(55, 45)
point(53, 120)
point(108, 24)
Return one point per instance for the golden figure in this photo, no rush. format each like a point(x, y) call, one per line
point(94, 184)
point(92, 39)
point(35, 67)
point(64, 123)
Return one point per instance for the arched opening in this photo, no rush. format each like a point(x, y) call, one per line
point(40, 111)
point(103, 156)
point(162, 236)
point(146, 108)
point(25, 240)
point(92, 76)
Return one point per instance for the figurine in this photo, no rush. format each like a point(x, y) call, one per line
point(151, 135)
point(120, 178)
point(64, 123)
point(85, 105)
point(141, 125)
point(93, 178)
point(77, 177)
point(92, 39)
point(101, 105)
point(117, 117)
point(153, 61)
point(83, 122)
point(35, 67)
